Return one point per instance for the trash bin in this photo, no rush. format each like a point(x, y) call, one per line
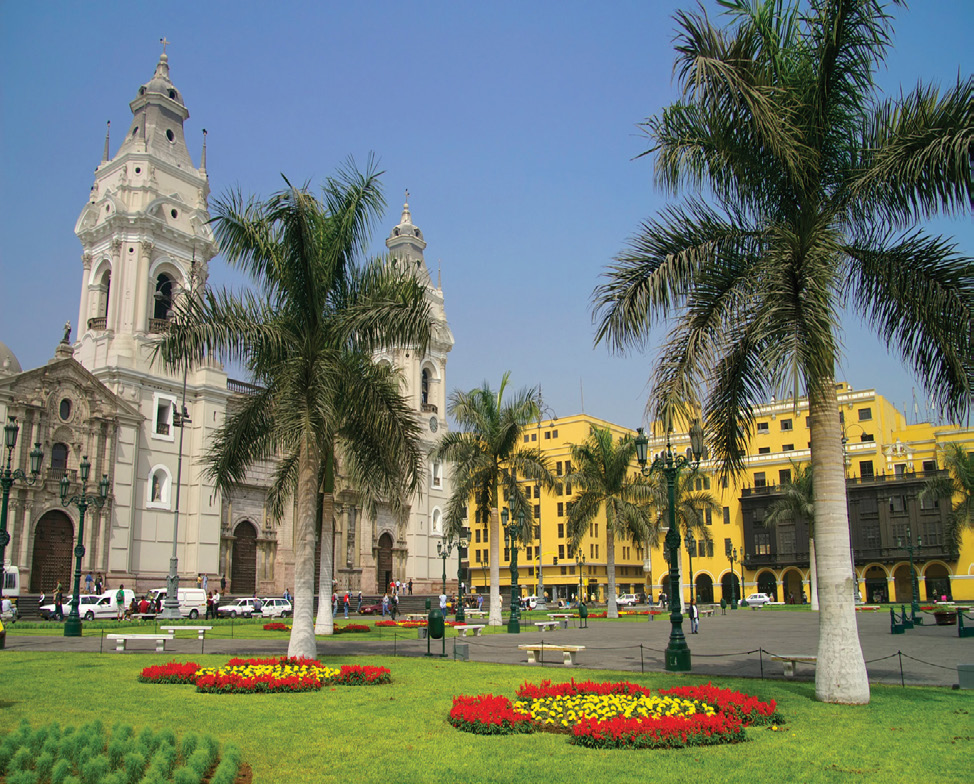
point(422, 633)
point(461, 651)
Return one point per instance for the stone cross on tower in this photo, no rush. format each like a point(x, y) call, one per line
point(164, 43)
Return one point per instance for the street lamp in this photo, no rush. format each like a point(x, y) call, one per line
point(670, 464)
point(72, 627)
point(444, 553)
point(914, 583)
point(740, 563)
point(541, 604)
point(691, 545)
point(732, 557)
point(7, 479)
point(512, 532)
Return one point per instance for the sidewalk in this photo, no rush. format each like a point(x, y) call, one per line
point(726, 646)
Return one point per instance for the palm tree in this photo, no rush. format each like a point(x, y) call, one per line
point(817, 187)
point(957, 483)
point(602, 472)
point(308, 336)
point(795, 501)
point(487, 460)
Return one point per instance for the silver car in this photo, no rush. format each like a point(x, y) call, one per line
point(276, 608)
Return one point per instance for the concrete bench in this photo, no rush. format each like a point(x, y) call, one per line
point(415, 616)
point(567, 651)
point(463, 628)
point(122, 639)
point(789, 662)
point(545, 625)
point(706, 611)
point(475, 613)
point(200, 630)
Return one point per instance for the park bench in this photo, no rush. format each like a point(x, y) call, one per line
point(789, 661)
point(706, 611)
point(121, 639)
point(561, 618)
point(546, 625)
point(567, 651)
point(415, 616)
point(475, 613)
point(200, 630)
point(463, 628)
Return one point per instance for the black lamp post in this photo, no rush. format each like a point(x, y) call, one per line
point(740, 562)
point(914, 583)
point(444, 553)
point(7, 479)
point(72, 627)
point(732, 557)
point(691, 545)
point(670, 464)
point(512, 532)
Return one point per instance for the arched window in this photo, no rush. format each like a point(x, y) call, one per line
point(106, 287)
point(163, 297)
point(59, 459)
point(426, 387)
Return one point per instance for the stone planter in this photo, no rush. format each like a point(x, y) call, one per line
point(946, 618)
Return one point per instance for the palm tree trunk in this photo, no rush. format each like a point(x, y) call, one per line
point(812, 574)
point(302, 641)
point(840, 673)
point(325, 621)
point(494, 616)
point(612, 609)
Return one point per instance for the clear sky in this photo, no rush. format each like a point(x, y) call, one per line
point(514, 125)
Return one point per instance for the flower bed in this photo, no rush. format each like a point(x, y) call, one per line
point(276, 627)
point(618, 715)
point(171, 672)
point(354, 675)
point(352, 628)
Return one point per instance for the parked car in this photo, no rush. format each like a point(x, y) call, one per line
point(627, 599)
point(529, 602)
point(276, 608)
point(238, 607)
point(90, 606)
point(757, 600)
point(371, 609)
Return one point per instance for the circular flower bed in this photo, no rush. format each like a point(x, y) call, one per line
point(352, 628)
point(265, 675)
point(276, 627)
point(618, 715)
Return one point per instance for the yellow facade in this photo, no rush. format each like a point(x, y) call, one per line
point(887, 460)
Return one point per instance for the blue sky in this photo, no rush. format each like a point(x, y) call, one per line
point(512, 124)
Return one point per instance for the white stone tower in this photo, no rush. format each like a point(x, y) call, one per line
point(146, 242)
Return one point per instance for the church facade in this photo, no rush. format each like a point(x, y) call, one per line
point(146, 241)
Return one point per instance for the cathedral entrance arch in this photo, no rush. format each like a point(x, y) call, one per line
point(53, 545)
point(705, 589)
point(383, 574)
point(243, 563)
point(730, 587)
point(768, 584)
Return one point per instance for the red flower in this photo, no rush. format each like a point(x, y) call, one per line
point(171, 672)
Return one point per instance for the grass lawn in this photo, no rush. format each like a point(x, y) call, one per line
point(399, 732)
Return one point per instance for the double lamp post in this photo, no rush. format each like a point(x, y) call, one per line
point(7, 479)
point(512, 533)
point(444, 553)
point(670, 465)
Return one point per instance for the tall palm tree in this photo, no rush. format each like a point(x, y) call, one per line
point(307, 337)
point(816, 188)
point(602, 472)
point(794, 502)
point(956, 487)
point(488, 459)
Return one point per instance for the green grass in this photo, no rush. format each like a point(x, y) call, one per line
point(400, 733)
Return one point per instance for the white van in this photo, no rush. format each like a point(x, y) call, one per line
point(11, 581)
point(192, 601)
point(91, 606)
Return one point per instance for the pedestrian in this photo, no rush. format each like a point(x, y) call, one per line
point(359, 610)
point(89, 583)
point(443, 603)
point(99, 584)
point(694, 618)
point(385, 604)
point(723, 606)
point(287, 594)
point(410, 586)
point(206, 583)
point(346, 602)
point(199, 580)
point(223, 584)
point(209, 606)
point(120, 603)
point(334, 604)
point(40, 601)
point(394, 606)
point(58, 599)
point(480, 601)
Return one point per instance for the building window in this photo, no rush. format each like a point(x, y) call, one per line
point(865, 414)
point(727, 547)
point(726, 515)
point(558, 468)
point(764, 450)
point(784, 476)
point(537, 491)
point(897, 503)
point(568, 489)
point(526, 439)
point(928, 503)
point(476, 536)
point(929, 465)
point(561, 530)
point(162, 425)
point(537, 511)
point(507, 553)
point(762, 427)
point(561, 512)
point(547, 435)
point(866, 469)
point(708, 516)
point(59, 458)
point(437, 474)
point(786, 425)
point(528, 551)
point(710, 549)
point(534, 436)
point(561, 551)
point(437, 522)
point(787, 447)
point(762, 543)
point(426, 387)
point(900, 469)
point(867, 438)
point(163, 297)
point(759, 479)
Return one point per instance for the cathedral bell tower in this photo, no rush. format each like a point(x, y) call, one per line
point(144, 231)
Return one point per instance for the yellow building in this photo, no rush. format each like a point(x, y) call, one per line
point(887, 460)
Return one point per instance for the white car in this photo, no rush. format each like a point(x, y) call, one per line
point(757, 600)
point(529, 602)
point(238, 607)
point(90, 606)
point(627, 600)
point(276, 608)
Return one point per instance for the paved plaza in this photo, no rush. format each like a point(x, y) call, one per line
point(726, 646)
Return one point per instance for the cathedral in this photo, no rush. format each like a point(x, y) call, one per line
point(146, 240)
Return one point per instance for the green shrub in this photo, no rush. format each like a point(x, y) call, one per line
point(134, 764)
point(226, 772)
point(44, 765)
point(95, 770)
point(61, 771)
point(21, 760)
point(23, 777)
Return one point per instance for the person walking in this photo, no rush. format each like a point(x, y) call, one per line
point(410, 586)
point(723, 606)
point(359, 610)
point(58, 600)
point(206, 583)
point(89, 583)
point(223, 584)
point(209, 606)
point(120, 603)
point(694, 618)
point(385, 604)
point(99, 583)
point(346, 603)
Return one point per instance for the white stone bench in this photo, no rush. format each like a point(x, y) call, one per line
point(545, 625)
point(706, 611)
point(789, 662)
point(415, 616)
point(200, 630)
point(475, 613)
point(567, 651)
point(122, 639)
point(463, 628)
